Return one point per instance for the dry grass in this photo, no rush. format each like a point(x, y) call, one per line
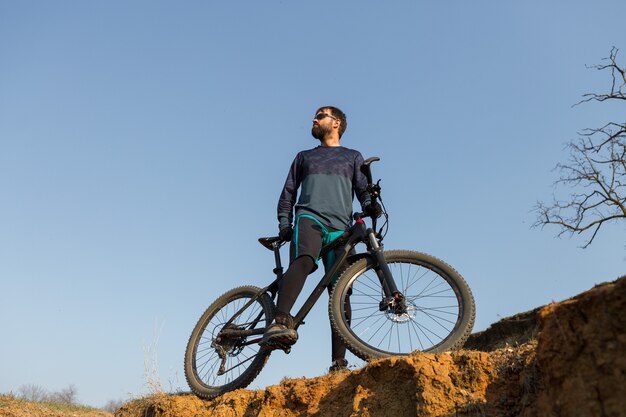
point(151, 364)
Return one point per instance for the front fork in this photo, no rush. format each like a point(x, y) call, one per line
point(393, 299)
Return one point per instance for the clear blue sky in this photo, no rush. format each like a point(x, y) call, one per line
point(143, 146)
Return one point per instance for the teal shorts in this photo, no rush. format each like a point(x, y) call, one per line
point(309, 236)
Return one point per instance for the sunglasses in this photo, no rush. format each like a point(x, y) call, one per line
point(322, 116)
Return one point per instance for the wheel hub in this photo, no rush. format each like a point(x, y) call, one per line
point(402, 317)
point(228, 345)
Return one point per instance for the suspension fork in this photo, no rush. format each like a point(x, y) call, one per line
point(381, 267)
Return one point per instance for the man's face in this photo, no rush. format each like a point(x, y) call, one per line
point(322, 124)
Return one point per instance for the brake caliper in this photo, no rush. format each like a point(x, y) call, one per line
point(394, 304)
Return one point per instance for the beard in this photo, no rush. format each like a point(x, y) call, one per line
point(319, 132)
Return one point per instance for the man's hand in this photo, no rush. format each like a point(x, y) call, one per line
point(285, 233)
point(373, 210)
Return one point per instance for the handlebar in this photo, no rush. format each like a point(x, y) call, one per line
point(366, 169)
point(373, 189)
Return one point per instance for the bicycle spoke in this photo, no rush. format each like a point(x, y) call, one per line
point(427, 286)
point(418, 280)
point(211, 369)
point(439, 310)
point(408, 328)
point(414, 327)
point(374, 286)
point(381, 326)
point(398, 333)
point(240, 363)
point(362, 319)
point(423, 330)
point(359, 293)
point(433, 316)
point(361, 309)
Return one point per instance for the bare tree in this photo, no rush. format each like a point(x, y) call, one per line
point(65, 396)
point(32, 392)
point(35, 393)
point(595, 173)
point(113, 405)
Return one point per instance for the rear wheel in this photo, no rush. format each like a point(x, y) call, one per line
point(437, 314)
point(216, 362)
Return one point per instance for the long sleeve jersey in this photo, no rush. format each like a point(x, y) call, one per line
point(328, 178)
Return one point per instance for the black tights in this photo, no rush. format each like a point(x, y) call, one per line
point(292, 283)
point(290, 287)
point(338, 347)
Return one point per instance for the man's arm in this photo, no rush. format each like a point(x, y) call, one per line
point(360, 182)
point(287, 199)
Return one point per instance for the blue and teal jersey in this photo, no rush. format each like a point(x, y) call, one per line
point(328, 179)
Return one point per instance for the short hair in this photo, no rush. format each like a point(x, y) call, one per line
point(339, 115)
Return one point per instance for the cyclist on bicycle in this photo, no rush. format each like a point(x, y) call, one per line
point(328, 178)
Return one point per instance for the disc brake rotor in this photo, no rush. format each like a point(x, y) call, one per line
point(408, 315)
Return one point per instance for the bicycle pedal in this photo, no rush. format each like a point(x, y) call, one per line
point(285, 347)
point(276, 345)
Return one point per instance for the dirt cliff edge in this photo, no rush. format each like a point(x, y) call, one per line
point(564, 359)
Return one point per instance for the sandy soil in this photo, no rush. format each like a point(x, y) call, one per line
point(564, 359)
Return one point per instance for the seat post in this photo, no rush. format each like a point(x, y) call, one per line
point(279, 267)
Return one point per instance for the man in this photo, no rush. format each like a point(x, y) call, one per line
point(328, 178)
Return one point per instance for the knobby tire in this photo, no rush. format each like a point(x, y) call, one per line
point(440, 307)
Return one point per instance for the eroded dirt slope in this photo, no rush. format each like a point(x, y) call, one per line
point(564, 359)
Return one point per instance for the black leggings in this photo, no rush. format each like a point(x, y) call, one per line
point(338, 347)
point(292, 283)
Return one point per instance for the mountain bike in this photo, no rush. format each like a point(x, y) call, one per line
point(401, 301)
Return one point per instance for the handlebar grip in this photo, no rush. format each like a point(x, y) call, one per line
point(366, 169)
point(368, 161)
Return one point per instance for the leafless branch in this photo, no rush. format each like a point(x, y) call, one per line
point(595, 173)
point(618, 84)
point(32, 392)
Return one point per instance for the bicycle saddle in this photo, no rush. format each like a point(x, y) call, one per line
point(268, 242)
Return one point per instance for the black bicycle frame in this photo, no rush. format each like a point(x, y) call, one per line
point(349, 239)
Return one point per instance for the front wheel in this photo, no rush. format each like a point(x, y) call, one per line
point(218, 358)
point(437, 314)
